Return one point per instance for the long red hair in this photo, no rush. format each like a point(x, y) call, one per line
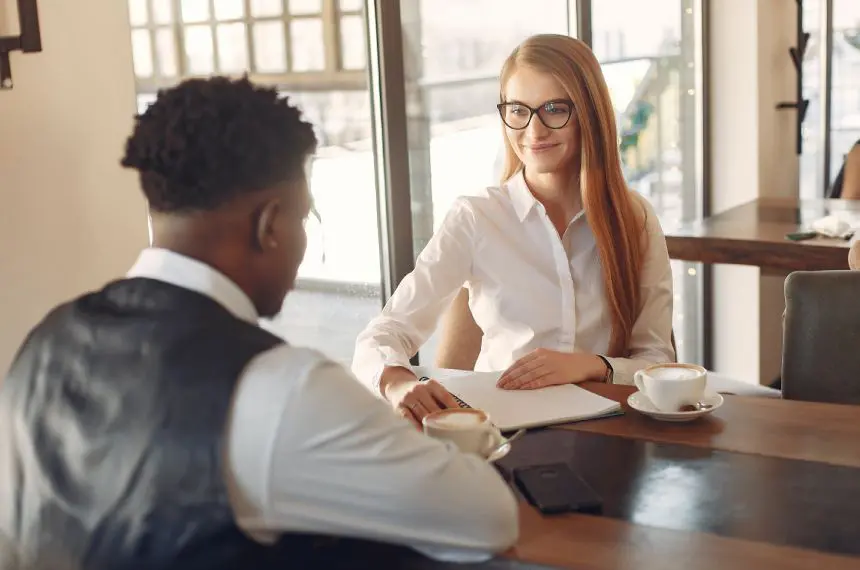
point(616, 220)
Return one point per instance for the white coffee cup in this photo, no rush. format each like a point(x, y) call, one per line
point(673, 385)
point(470, 430)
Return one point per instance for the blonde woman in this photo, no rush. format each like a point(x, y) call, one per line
point(567, 269)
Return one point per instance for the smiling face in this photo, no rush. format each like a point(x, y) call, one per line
point(541, 149)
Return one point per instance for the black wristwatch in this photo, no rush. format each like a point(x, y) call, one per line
point(610, 373)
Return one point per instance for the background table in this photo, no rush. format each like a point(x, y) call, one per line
point(754, 234)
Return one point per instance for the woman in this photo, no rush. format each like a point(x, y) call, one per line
point(854, 256)
point(847, 183)
point(567, 269)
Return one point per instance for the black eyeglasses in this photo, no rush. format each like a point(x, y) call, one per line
point(554, 114)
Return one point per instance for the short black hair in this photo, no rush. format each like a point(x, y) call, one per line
point(207, 141)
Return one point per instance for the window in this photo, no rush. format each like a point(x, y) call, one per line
point(452, 86)
point(844, 93)
point(307, 44)
point(649, 55)
point(845, 88)
point(315, 51)
point(810, 159)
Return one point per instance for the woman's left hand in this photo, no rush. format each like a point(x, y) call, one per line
point(543, 367)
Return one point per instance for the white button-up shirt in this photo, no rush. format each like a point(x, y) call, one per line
point(309, 450)
point(528, 288)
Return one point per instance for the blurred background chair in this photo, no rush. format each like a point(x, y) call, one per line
point(821, 337)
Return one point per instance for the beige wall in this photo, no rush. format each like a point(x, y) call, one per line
point(71, 218)
point(752, 155)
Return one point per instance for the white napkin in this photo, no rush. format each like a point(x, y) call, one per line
point(832, 226)
point(724, 383)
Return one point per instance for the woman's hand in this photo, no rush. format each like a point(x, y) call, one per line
point(413, 399)
point(543, 367)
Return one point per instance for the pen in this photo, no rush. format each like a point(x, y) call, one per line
point(459, 401)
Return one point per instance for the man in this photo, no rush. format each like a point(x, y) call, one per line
point(154, 424)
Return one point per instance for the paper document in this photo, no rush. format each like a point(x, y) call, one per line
point(515, 409)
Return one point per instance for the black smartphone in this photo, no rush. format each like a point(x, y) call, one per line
point(555, 488)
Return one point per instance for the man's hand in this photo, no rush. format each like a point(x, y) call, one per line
point(543, 367)
point(413, 399)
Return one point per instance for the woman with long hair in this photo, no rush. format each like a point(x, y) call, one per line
point(567, 269)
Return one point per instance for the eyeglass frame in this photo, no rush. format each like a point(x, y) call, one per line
point(533, 112)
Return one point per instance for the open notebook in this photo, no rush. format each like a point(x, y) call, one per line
point(515, 409)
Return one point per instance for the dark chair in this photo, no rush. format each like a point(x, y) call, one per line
point(821, 337)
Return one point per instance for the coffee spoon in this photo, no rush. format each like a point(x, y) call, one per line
point(506, 442)
point(697, 407)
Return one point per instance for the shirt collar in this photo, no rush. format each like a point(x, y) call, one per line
point(177, 269)
point(521, 197)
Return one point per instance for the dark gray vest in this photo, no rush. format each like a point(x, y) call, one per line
point(111, 433)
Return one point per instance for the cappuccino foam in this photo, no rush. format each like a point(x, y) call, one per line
point(673, 373)
point(458, 419)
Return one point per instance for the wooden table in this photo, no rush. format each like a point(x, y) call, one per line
point(783, 436)
point(759, 484)
point(754, 234)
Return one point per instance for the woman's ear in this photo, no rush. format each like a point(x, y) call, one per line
point(266, 236)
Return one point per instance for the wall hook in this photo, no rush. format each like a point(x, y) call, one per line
point(29, 40)
point(796, 53)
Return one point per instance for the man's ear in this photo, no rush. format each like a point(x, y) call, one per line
point(266, 235)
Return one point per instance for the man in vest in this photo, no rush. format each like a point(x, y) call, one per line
point(153, 424)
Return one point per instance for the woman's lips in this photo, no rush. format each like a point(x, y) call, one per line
point(541, 147)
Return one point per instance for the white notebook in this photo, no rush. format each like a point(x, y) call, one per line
point(515, 409)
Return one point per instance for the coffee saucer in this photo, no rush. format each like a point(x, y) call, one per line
point(640, 402)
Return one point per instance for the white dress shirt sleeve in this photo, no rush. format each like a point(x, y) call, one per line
point(651, 338)
point(310, 450)
point(413, 311)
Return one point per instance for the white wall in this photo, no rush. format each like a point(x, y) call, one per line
point(71, 218)
point(752, 155)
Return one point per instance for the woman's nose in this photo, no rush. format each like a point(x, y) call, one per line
point(536, 129)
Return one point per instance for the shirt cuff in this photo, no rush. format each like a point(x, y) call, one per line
point(377, 375)
point(623, 370)
point(368, 366)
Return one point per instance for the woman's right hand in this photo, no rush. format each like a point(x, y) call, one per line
point(413, 399)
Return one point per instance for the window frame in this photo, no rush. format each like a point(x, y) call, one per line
point(332, 78)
